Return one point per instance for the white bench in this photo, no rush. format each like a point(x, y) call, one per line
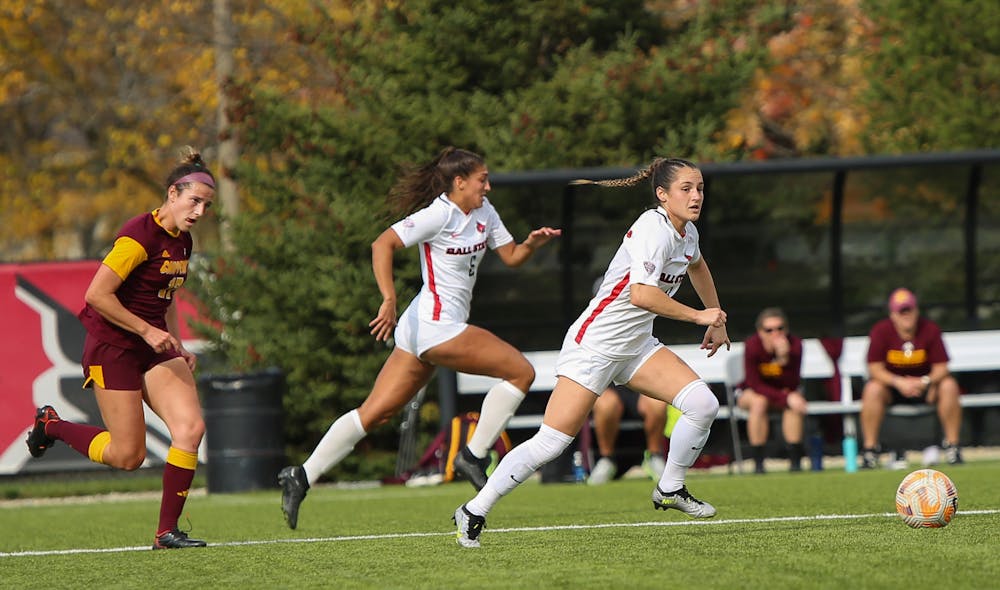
point(969, 351)
point(725, 367)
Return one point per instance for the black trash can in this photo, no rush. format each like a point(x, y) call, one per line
point(243, 430)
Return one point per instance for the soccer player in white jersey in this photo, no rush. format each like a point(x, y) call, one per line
point(612, 342)
point(447, 215)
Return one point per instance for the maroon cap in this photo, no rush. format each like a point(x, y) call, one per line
point(902, 299)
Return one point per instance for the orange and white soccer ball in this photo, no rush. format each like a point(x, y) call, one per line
point(926, 498)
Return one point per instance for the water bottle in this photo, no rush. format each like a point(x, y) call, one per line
point(579, 473)
point(850, 454)
point(816, 452)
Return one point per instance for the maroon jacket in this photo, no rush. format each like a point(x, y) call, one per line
point(767, 377)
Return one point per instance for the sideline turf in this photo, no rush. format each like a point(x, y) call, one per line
point(564, 535)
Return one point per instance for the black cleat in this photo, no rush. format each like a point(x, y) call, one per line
point(38, 442)
point(294, 486)
point(176, 539)
point(472, 468)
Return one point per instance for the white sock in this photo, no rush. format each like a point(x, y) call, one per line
point(500, 404)
point(337, 443)
point(698, 406)
point(518, 465)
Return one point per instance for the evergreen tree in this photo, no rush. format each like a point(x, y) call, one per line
point(935, 79)
point(527, 85)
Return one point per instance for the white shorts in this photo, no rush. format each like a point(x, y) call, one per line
point(417, 337)
point(596, 372)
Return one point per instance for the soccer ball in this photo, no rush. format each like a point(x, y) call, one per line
point(926, 499)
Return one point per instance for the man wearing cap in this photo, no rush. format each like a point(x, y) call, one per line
point(908, 364)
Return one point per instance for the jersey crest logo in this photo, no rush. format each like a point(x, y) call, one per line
point(165, 254)
point(649, 266)
point(480, 227)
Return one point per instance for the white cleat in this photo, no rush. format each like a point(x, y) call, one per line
point(469, 526)
point(603, 472)
point(683, 501)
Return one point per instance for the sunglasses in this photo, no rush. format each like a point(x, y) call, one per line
point(774, 329)
point(904, 310)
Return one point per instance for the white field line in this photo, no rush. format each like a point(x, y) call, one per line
point(565, 527)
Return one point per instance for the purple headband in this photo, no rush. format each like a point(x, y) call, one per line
point(202, 177)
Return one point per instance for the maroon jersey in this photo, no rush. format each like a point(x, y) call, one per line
point(765, 376)
point(907, 358)
point(152, 263)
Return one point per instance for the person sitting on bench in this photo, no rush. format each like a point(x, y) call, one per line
point(773, 364)
point(908, 364)
point(616, 403)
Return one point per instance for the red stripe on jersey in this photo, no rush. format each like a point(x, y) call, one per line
point(430, 282)
point(600, 306)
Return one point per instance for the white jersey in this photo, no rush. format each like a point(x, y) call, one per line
point(652, 253)
point(452, 245)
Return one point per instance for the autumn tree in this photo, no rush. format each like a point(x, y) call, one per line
point(93, 106)
point(97, 97)
point(804, 99)
point(853, 77)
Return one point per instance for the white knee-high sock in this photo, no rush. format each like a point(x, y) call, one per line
point(698, 406)
point(518, 465)
point(337, 443)
point(500, 404)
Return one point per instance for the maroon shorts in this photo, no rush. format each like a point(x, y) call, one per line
point(113, 367)
point(772, 405)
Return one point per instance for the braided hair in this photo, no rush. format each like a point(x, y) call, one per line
point(661, 172)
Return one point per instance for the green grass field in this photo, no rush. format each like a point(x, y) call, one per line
point(825, 529)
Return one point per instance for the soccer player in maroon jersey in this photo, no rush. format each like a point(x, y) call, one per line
point(133, 351)
point(772, 361)
point(908, 364)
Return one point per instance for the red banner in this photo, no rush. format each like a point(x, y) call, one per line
point(40, 349)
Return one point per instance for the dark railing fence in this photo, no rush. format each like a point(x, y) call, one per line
point(844, 298)
point(844, 233)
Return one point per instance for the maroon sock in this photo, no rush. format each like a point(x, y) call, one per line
point(178, 474)
point(77, 436)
